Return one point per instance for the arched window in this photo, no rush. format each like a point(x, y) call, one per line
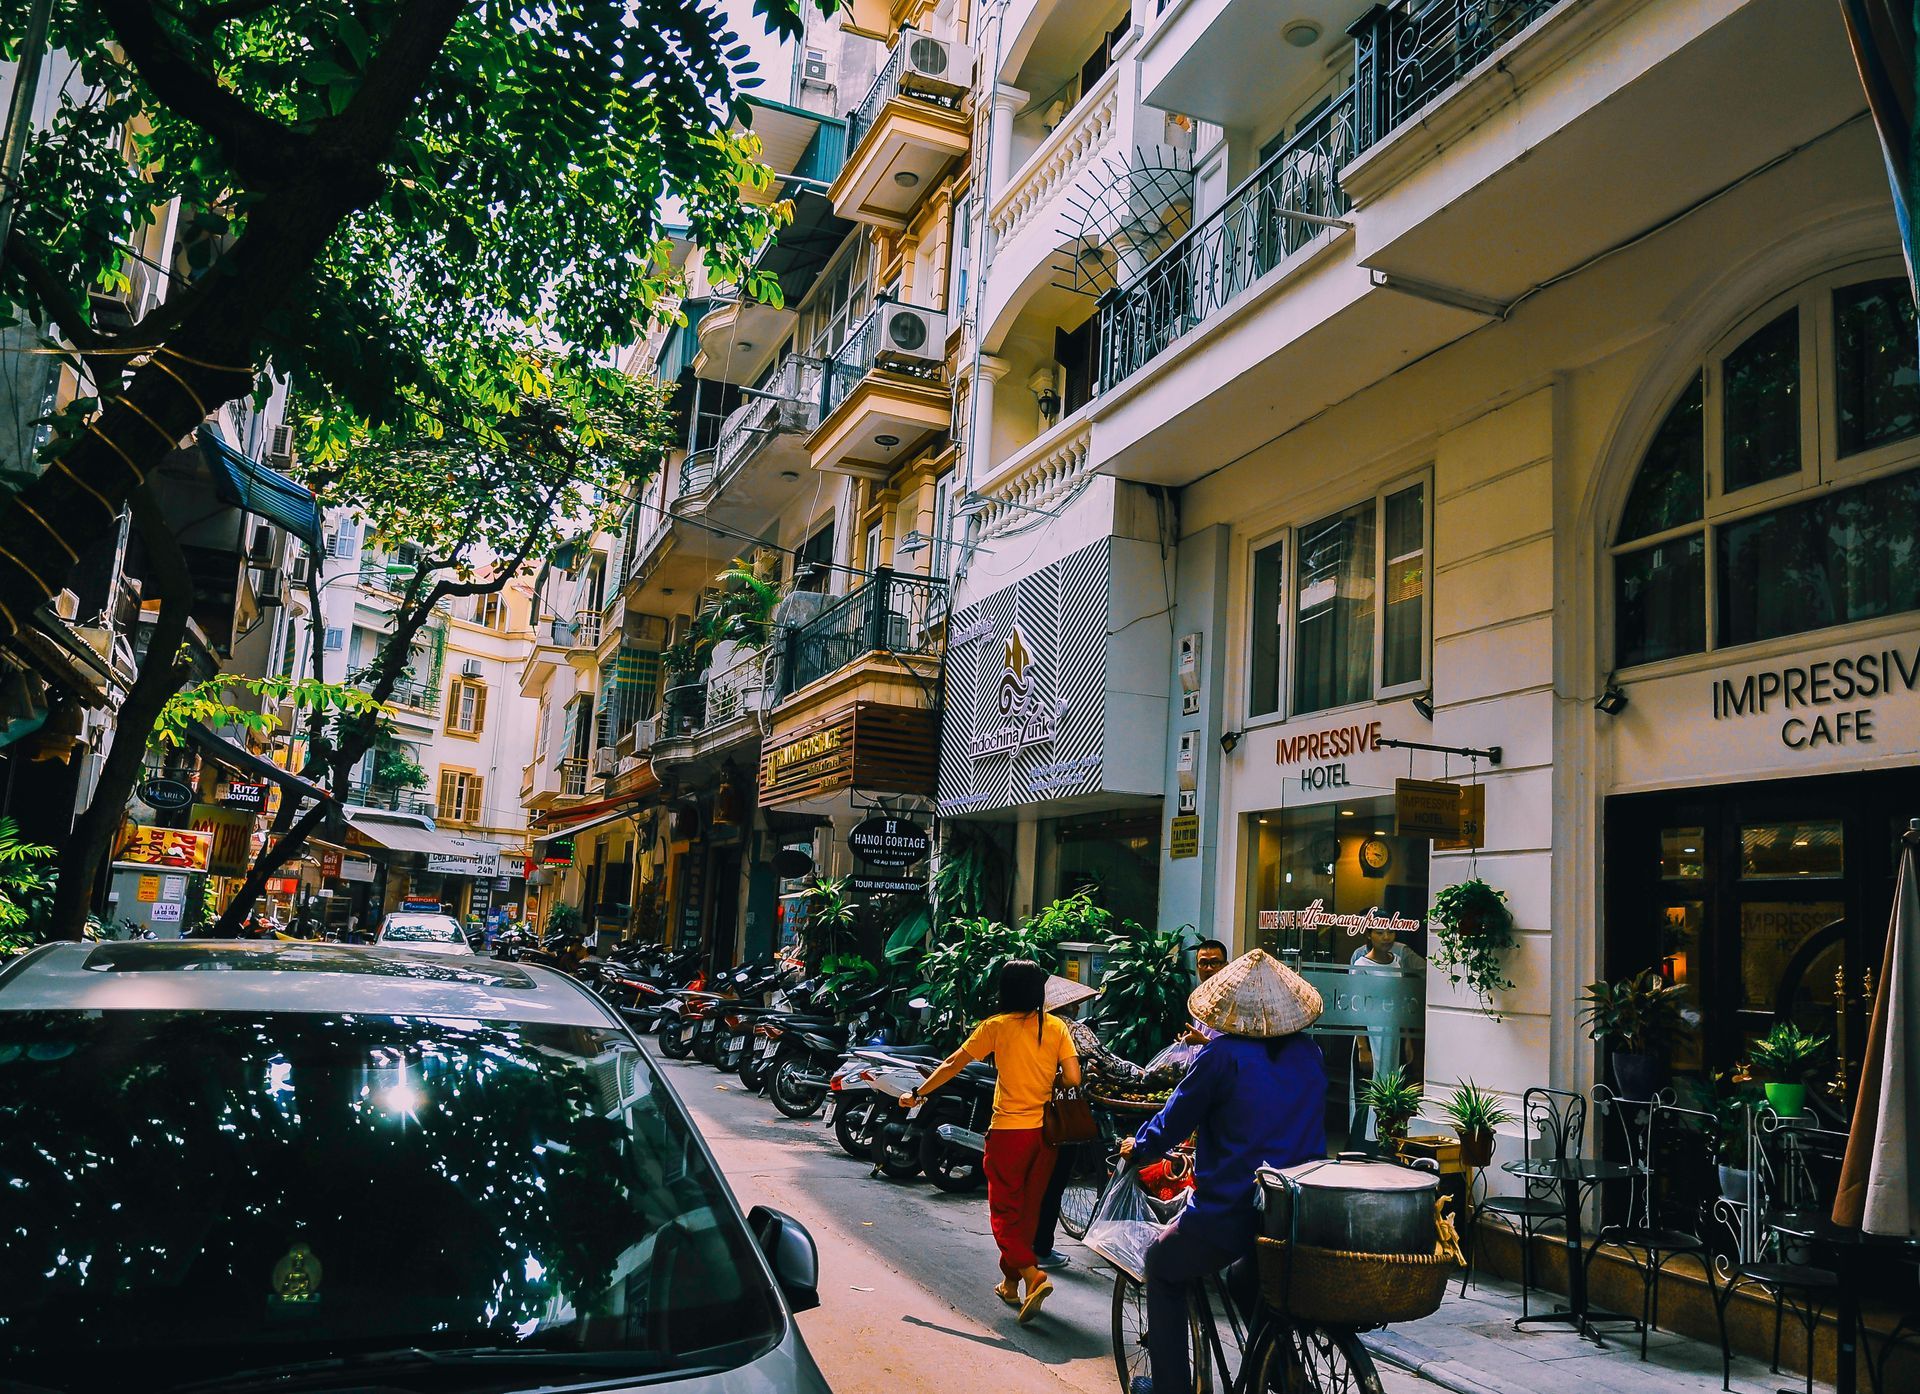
point(1780, 494)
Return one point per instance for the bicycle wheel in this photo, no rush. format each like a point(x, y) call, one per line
point(1082, 1193)
point(1311, 1360)
point(1129, 1330)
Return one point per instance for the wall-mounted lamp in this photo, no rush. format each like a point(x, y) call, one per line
point(1424, 705)
point(1228, 740)
point(912, 544)
point(1611, 700)
point(1041, 385)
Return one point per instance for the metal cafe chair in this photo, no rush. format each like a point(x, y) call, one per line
point(1797, 1171)
point(1553, 1123)
point(1671, 1197)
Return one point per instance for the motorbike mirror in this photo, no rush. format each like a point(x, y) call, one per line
point(791, 1253)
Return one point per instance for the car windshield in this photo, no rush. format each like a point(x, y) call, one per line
point(192, 1194)
point(434, 929)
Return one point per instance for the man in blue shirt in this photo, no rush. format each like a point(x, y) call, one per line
point(1256, 1096)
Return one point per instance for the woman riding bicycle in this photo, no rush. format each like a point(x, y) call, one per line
point(1256, 1096)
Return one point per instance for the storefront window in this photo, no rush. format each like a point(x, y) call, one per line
point(1340, 897)
point(1117, 856)
point(1784, 851)
point(1791, 567)
point(1683, 854)
point(1772, 932)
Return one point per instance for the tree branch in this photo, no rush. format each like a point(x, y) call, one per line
point(204, 22)
point(261, 149)
point(55, 295)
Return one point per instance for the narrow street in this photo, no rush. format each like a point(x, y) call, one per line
point(906, 1271)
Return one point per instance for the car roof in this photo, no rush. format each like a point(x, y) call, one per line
point(201, 975)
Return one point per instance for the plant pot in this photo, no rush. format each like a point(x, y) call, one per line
point(1736, 1183)
point(1476, 1146)
point(1638, 1076)
point(1786, 1098)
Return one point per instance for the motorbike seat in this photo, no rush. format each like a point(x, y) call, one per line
point(978, 1071)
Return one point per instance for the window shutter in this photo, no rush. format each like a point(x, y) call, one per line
point(474, 783)
point(479, 708)
point(449, 795)
point(453, 709)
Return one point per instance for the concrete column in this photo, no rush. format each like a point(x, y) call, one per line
point(1026, 859)
point(980, 457)
point(1189, 885)
point(1006, 102)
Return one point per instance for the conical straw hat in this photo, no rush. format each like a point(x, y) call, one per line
point(1065, 992)
point(1256, 995)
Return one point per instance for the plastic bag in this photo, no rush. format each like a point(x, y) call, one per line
point(1175, 1060)
point(1124, 1223)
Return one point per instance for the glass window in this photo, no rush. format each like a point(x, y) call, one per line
point(1660, 601)
point(1785, 851)
point(1343, 900)
point(1877, 388)
point(1772, 932)
point(1845, 556)
point(1333, 611)
point(1760, 437)
point(1683, 854)
point(1667, 490)
point(1403, 616)
point(579, 1233)
point(1680, 926)
point(1269, 620)
point(942, 520)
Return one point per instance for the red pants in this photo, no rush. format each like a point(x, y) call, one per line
point(1018, 1165)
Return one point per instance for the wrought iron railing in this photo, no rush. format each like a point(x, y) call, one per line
point(1406, 53)
point(683, 710)
point(889, 614)
point(737, 689)
point(372, 794)
point(887, 85)
point(696, 474)
point(586, 629)
point(419, 696)
point(1219, 258)
point(791, 406)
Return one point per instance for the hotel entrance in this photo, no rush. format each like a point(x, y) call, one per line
point(1767, 902)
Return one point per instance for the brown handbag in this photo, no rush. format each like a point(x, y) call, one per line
point(1067, 1117)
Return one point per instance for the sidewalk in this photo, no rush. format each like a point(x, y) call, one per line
point(1470, 1347)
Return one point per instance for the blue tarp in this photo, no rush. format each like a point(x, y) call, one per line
point(265, 493)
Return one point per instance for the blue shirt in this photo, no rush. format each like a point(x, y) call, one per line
point(1249, 1110)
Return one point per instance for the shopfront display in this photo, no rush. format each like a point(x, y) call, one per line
point(1337, 894)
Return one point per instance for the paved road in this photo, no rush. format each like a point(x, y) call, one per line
point(907, 1271)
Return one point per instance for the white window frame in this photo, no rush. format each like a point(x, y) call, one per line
point(1382, 692)
point(875, 540)
point(942, 519)
point(1283, 642)
point(334, 639)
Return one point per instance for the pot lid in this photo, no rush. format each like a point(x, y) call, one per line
point(1352, 1176)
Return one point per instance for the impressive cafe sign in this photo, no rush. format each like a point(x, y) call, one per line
point(1820, 703)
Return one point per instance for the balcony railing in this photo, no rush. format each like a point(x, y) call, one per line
point(365, 794)
point(792, 406)
point(417, 695)
point(573, 777)
point(714, 698)
point(586, 629)
point(1258, 227)
point(889, 614)
point(1405, 54)
point(887, 86)
point(696, 474)
point(851, 362)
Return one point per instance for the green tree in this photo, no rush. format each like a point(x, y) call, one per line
point(369, 191)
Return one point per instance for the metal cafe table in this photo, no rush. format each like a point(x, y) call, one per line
point(1574, 1176)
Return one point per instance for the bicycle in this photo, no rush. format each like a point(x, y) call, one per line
point(1272, 1355)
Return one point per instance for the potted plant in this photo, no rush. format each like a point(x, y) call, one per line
point(1473, 929)
point(1475, 1113)
point(1634, 1019)
point(1783, 1060)
point(1394, 1100)
point(1732, 1109)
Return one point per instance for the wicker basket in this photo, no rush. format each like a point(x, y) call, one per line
point(1336, 1287)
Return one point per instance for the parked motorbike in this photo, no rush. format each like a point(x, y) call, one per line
point(950, 1130)
point(798, 1058)
point(863, 1091)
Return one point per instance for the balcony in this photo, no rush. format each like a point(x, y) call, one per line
point(891, 616)
point(1289, 204)
point(586, 629)
point(1245, 64)
point(738, 338)
point(573, 778)
point(704, 721)
point(365, 794)
point(907, 129)
point(757, 466)
point(412, 695)
point(882, 393)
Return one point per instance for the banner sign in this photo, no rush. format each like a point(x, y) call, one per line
point(252, 798)
point(356, 869)
point(182, 848)
point(232, 833)
point(893, 843)
point(463, 864)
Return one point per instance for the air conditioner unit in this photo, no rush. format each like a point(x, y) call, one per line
point(280, 446)
point(911, 336)
point(297, 569)
point(260, 544)
point(606, 760)
point(645, 733)
point(932, 66)
point(271, 592)
point(469, 667)
point(647, 630)
point(814, 68)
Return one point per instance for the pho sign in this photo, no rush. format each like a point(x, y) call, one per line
point(890, 842)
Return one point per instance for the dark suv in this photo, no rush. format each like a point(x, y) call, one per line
point(242, 1166)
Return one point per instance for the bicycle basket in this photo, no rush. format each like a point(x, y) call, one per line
point(1337, 1287)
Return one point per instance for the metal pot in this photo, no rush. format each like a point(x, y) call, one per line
point(1361, 1206)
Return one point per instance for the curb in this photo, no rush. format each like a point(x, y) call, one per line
point(1433, 1366)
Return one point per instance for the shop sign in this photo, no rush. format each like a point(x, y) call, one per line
point(885, 885)
point(507, 865)
point(184, 848)
point(1185, 841)
point(251, 798)
point(1025, 718)
point(890, 842)
point(232, 833)
point(356, 869)
point(815, 756)
point(166, 912)
point(1426, 808)
point(1814, 690)
point(1317, 916)
point(1336, 743)
point(863, 745)
point(559, 852)
point(164, 794)
point(330, 862)
point(1473, 820)
point(463, 863)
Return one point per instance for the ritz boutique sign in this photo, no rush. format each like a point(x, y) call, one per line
point(1820, 704)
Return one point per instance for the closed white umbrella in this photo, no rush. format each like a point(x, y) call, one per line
point(1881, 1171)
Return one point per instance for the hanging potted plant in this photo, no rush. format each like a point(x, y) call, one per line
point(1783, 1060)
point(1395, 1100)
point(1634, 1019)
point(1475, 1114)
point(1473, 929)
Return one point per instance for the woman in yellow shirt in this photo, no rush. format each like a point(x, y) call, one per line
point(1029, 1048)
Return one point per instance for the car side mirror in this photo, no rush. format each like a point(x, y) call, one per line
point(791, 1254)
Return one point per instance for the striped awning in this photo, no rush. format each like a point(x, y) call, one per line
point(266, 493)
